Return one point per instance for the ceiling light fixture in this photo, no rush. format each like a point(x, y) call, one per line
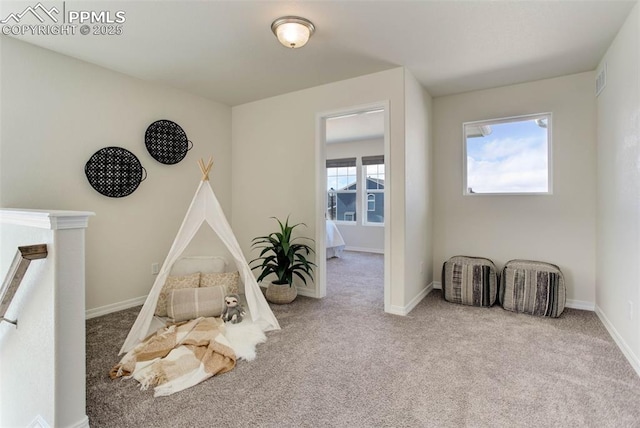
point(293, 31)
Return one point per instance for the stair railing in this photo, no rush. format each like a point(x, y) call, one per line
point(16, 273)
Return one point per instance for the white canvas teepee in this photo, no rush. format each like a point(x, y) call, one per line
point(204, 207)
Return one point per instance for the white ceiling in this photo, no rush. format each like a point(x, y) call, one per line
point(225, 51)
point(365, 125)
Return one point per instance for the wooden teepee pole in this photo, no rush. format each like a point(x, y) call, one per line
point(205, 169)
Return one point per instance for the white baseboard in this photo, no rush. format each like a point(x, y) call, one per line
point(404, 310)
point(307, 292)
point(570, 303)
point(580, 304)
point(114, 307)
point(365, 250)
point(83, 423)
point(624, 347)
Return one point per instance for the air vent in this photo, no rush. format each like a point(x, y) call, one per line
point(601, 79)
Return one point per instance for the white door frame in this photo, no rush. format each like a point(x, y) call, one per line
point(321, 195)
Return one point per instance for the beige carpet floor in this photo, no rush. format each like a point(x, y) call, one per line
point(342, 362)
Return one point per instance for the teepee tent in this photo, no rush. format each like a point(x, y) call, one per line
point(204, 207)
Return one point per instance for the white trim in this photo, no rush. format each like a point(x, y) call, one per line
point(580, 304)
point(387, 206)
point(403, 311)
point(570, 303)
point(395, 310)
point(82, 423)
point(320, 287)
point(307, 291)
point(70, 220)
point(53, 220)
point(624, 347)
point(364, 250)
point(114, 307)
point(39, 422)
point(321, 206)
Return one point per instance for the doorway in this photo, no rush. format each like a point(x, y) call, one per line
point(353, 193)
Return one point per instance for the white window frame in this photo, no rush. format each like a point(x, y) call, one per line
point(481, 123)
point(337, 192)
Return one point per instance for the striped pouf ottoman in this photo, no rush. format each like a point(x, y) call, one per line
point(532, 287)
point(469, 281)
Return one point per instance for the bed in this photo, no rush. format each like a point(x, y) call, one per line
point(335, 242)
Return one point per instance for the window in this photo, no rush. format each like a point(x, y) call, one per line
point(508, 156)
point(371, 202)
point(373, 168)
point(355, 190)
point(342, 185)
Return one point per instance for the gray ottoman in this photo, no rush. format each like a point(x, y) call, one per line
point(532, 287)
point(469, 281)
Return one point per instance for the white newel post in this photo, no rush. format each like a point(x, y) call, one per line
point(42, 359)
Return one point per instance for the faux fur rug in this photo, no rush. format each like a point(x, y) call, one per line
point(243, 338)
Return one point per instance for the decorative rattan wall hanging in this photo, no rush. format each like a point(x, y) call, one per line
point(167, 142)
point(114, 172)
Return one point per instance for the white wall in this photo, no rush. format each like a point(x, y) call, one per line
point(356, 236)
point(618, 236)
point(274, 164)
point(27, 351)
point(42, 359)
point(418, 192)
point(56, 112)
point(274, 159)
point(558, 228)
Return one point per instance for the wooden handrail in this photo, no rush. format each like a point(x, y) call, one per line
point(16, 273)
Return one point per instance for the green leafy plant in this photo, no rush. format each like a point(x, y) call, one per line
point(283, 256)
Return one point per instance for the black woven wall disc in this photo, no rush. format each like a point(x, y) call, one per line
point(114, 172)
point(166, 141)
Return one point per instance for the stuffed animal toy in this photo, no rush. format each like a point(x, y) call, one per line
point(233, 310)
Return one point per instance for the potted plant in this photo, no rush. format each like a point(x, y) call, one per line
point(285, 257)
